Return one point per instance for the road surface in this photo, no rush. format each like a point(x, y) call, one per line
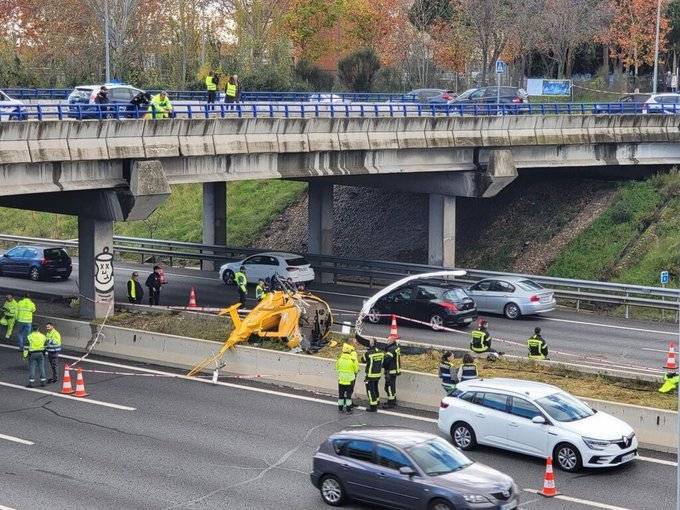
point(171, 443)
point(627, 345)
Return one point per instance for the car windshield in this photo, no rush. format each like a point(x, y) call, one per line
point(563, 407)
point(455, 294)
point(466, 94)
point(297, 262)
point(437, 457)
point(55, 254)
point(529, 285)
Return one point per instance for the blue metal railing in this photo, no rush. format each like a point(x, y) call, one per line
point(318, 109)
point(201, 95)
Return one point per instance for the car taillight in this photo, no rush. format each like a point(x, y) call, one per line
point(516, 99)
point(292, 269)
point(534, 298)
point(443, 404)
point(43, 262)
point(446, 97)
point(449, 306)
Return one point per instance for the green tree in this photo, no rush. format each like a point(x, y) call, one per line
point(358, 70)
point(424, 13)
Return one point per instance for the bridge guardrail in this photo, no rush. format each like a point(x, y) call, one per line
point(303, 110)
point(372, 271)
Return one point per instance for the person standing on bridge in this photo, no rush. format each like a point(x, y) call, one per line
point(373, 358)
point(392, 368)
point(25, 311)
point(242, 283)
point(153, 283)
point(34, 351)
point(134, 289)
point(53, 349)
point(9, 309)
point(538, 348)
point(211, 86)
point(347, 367)
point(231, 91)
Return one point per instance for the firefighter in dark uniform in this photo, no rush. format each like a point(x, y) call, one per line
point(448, 384)
point(538, 348)
point(392, 368)
point(373, 358)
point(480, 342)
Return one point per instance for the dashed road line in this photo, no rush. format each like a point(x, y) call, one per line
point(69, 397)
point(612, 326)
point(585, 502)
point(6, 508)
point(658, 461)
point(15, 440)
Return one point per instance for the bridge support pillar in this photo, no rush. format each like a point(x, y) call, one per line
point(214, 219)
point(320, 221)
point(95, 267)
point(441, 246)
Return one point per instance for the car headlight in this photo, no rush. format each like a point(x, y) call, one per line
point(475, 498)
point(596, 444)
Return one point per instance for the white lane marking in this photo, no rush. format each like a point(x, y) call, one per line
point(340, 294)
point(612, 326)
point(658, 461)
point(269, 392)
point(585, 502)
point(653, 350)
point(15, 440)
point(5, 508)
point(60, 395)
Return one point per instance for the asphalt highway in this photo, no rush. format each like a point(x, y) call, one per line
point(165, 442)
point(627, 345)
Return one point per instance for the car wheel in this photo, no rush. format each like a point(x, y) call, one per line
point(34, 274)
point(436, 322)
point(463, 436)
point(440, 504)
point(567, 457)
point(374, 316)
point(512, 311)
point(228, 277)
point(332, 491)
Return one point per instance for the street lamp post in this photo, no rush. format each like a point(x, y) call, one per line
point(107, 60)
point(655, 79)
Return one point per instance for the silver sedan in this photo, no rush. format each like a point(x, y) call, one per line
point(512, 296)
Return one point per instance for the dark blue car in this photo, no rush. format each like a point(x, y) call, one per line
point(402, 468)
point(81, 103)
point(36, 262)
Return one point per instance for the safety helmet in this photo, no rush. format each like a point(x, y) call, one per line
point(537, 331)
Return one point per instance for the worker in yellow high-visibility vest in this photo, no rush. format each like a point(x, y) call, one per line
point(232, 91)
point(211, 86)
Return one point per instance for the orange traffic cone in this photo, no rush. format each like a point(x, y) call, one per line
point(549, 490)
point(80, 385)
point(394, 332)
point(192, 299)
point(671, 359)
point(66, 386)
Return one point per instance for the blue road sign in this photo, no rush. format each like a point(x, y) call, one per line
point(665, 277)
point(501, 67)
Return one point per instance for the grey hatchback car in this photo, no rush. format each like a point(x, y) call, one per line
point(406, 469)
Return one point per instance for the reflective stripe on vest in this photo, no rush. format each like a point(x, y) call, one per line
point(241, 280)
point(374, 364)
point(259, 292)
point(345, 368)
point(469, 371)
point(133, 289)
point(210, 83)
point(25, 309)
point(53, 338)
point(479, 341)
point(535, 348)
point(36, 342)
point(231, 89)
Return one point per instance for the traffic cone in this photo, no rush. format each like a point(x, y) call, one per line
point(192, 299)
point(80, 385)
point(394, 332)
point(66, 386)
point(549, 490)
point(671, 359)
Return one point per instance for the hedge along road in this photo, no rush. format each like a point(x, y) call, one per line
point(622, 344)
point(174, 443)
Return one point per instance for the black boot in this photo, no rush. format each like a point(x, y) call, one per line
point(372, 409)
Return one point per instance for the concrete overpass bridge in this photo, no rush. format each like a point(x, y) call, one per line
point(116, 170)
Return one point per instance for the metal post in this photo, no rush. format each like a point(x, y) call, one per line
point(107, 42)
point(498, 92)
point(656, 48)
point(677, 469)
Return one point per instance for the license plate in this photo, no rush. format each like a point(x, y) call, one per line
point(509, 506)
point(628, 456)
point(467, 320)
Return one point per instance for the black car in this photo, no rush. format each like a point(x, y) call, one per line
point(437, 304)
point(36, 262)
point(82, 104)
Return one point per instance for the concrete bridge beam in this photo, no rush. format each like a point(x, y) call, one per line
point(320, 220)
point(441, 242)
point(95, 267)
point(214, 219)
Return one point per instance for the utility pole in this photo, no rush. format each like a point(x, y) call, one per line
point(655, 79)
point(107, 60)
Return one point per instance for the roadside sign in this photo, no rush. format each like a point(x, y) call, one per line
point(665, 277)
point(501, 67)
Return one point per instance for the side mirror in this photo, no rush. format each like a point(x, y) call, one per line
point(405, 470)
point(5, 255)
point(539, 420)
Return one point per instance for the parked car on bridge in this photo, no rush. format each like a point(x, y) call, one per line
point(668, 103)
point(630, 103)
point(437, 96)
point(82, 96)
point(327, 98)
point(402, 468)
point(508, 95)
point(512, 296)
point(10, 109)
point(438, 304)
point(36, 262)
point(264, 265)
point(535, 419)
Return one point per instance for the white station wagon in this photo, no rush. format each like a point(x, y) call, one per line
point(535, 419)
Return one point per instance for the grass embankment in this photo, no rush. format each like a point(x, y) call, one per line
point(634, 239)
point(585, 385)
point(252, 205)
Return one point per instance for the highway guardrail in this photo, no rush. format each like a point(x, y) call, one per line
point(374, 272)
